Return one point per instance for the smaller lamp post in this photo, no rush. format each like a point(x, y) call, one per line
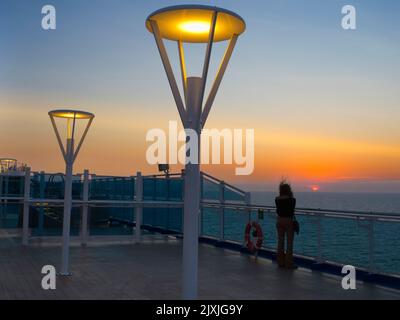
point(69, 153)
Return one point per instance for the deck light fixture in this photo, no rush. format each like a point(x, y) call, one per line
point(7, 164)
point(69, 153)
point(194, 24)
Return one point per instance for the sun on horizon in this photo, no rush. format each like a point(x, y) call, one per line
point(315, 188)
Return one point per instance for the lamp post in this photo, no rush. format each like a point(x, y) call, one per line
point(69, 153)
point(194, 24)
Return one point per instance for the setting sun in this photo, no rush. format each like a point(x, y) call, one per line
point(314, 188)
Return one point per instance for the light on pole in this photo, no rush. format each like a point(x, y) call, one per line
point(69, 153)
point(194, 24)
point(7, 164)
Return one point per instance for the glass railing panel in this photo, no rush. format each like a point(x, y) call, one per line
point(148, 216)
point(268, 225)
point(162, 189)
point(53, 190)
point(162, 186)
point(110, 221)
point(155, 217)
point(231, 195)
point(11, 186)
point(51, 186)
point(77, 189)
point(344, 241)
point(210, 190)
point(210, 222)
point(121, 189)
point(386, 247)
point(11, 215)
point(160, 218)
point(235, 222)
point(175, 219)
point(306, 242)
point(176, 189)
point(35, 186)
point(164, 218)
point(149, 188)
point(48, 221)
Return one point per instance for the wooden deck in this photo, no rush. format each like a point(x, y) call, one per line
point(152, 270)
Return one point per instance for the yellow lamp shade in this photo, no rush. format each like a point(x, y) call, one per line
point(71, 114)
point(192, 23)
point(7, 160)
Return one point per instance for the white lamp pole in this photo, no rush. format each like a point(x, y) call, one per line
point(194, 24)
point(69, 154)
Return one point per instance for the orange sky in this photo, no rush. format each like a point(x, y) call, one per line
point(116, 145)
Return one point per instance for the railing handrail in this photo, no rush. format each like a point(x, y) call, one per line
point(308, 211)
point(216, 180)
point(163, 175)
point(229, 205)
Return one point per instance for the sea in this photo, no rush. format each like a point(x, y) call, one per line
point(345, 241)
point(366, 202)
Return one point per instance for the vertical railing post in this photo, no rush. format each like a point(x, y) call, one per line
point(168, 178)
point(1, 195)
point(154, 188)
point(183, 198)
point(154, 210)
point(25, 221)
point(139, 207)
point(222, 209)
point(247, 200)
point(42, 187)
point(21, 185)
point(85, 208)
point(371, 268)
point(6, 191)
point(319, 240)
point(201, 201)
point(7, 185)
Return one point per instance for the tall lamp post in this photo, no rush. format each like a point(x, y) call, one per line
point(69, 153)
point(194, 24)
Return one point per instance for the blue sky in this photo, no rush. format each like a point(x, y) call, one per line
point(295, 71)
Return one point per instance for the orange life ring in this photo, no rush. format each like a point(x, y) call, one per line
point(253, 246)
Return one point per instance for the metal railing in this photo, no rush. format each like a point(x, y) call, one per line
point(317, 217)
point(224, 215)
point(12, 168)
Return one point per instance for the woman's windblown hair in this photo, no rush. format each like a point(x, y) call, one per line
point(285, 190)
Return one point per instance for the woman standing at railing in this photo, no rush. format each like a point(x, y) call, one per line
point(285, 208)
